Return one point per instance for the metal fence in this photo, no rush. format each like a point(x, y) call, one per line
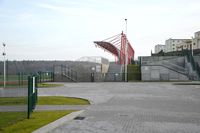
point(97, 77)
point(45, 76)
point(32, 94)
point(17, 99)
point(13, 101)
point(195, 65)
point(21, 79)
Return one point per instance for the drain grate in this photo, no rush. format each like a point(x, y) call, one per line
point(79, 118)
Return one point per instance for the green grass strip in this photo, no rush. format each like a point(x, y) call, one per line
point(9, 118)
point(37, 120)
point(13, 100)
point(47, 85)
point(44, 100)
point(59, 100)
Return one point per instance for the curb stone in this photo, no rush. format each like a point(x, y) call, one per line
point(58, 122)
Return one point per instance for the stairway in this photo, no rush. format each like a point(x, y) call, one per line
point(170, 65)
point(193, 64)
point(114, 72)
point(69, 73)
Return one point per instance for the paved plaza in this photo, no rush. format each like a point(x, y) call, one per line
point(132, 107)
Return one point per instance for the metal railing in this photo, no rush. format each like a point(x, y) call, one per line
point(69, 73)
point(195, 65)
point(17, 100)
point(45, 76)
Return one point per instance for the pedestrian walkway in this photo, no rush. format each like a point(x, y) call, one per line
point(132, 108)
point(43, 107)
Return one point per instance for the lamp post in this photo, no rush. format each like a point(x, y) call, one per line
point(126, 55)
point(4, 67)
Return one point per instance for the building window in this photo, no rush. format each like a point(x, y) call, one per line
point(173, 44)
point(193, 43)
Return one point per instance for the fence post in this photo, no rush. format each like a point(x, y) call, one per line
point(29, 95)
point(22, 77)
point(40, 76)
point(32, 94)
point(19, 79)
point(53, 76)
point(76, 76)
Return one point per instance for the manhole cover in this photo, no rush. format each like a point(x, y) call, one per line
point(79, 118)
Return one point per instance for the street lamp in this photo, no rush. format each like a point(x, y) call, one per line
point(4, 67)
point(126, 54)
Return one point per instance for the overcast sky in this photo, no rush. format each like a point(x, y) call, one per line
point(66, 29)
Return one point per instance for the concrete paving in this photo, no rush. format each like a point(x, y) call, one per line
point(18, 108)
point(58, 122)
point(13, 108)
point(132, 107)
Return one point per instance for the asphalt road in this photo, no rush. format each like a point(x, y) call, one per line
point(133, 107)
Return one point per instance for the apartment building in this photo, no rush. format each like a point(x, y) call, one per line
point(179, 44)
point(196, 40)
point(159, 47)
point(173, 44)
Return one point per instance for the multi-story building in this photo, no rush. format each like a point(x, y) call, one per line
point(172, 44)
point(196, 40)
point(179, 44)
point(184, 45)
point(194, 43)
point(159, 47)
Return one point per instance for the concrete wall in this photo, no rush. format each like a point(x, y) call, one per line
point(163, 68)
point(61, 78)
point(177, 60)
point(160, 73)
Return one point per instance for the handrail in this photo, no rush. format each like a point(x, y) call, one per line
point(173, 67)
point(184, 73)
point(69, 73)
point(195, 65)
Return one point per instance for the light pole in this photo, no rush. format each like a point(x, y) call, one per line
point(126, 55)
point(4, 66)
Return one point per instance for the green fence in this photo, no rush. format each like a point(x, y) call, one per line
point(13, 99)
point(21, 79)
point(32, 94)
point(45, 77)
point(190, 59)
point(17, 102)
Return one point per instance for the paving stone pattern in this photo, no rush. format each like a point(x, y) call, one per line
point(133, 107)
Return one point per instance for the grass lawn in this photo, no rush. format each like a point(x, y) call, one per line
point(47, 85)
point(37, 120)
point(44, 100)
point(13, 100)
point(8, 118)
point(59, 100)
